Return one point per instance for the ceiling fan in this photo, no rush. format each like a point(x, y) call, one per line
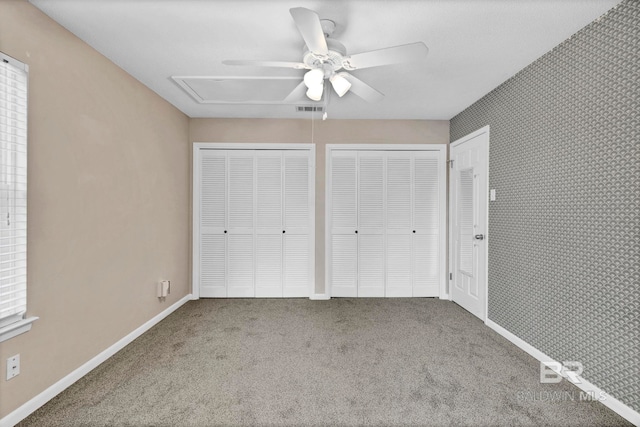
point(327, 59)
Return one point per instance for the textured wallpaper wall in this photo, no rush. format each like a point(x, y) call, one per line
point(564, 232)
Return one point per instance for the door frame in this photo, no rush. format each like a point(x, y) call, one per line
point(442, 149)
point(198, 147)
point(482, 131)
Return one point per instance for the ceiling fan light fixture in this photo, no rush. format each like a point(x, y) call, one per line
point(340, 84)
point(315, 92)
point(313, 78)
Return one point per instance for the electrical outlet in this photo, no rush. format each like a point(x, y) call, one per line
point(13, 366)
point(164, 288)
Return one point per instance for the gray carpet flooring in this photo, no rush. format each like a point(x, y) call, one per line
point(340, 362)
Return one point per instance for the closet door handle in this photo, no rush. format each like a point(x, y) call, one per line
point(414, 231)
point(282, 231)
point(356, 231)
point(225, 231)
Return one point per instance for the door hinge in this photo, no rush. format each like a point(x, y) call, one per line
point(451, 164)
point(450, 276)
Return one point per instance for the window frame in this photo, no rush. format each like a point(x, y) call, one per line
point(15, 323)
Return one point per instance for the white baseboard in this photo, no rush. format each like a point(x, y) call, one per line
point(319, 297)
point(29, 407)
point(610, 402)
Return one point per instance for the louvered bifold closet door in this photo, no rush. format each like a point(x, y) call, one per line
point(426, 223)
point(344, 223)
point(399, 231)
point(371, 238)
point(269, 223)
point(240, 235)
point(297, 230)
point(213, 208)
point(386, 217)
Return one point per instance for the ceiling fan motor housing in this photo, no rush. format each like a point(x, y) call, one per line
point(329, 63)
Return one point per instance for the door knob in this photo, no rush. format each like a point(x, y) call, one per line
point(479, 237)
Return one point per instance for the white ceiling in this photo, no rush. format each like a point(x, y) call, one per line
point(475, 45)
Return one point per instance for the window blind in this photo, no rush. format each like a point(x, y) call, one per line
point(13, 190)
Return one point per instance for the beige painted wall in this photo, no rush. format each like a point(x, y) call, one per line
point(108, 202)
point(324, 132)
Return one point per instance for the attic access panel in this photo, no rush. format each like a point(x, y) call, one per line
point(237, 89)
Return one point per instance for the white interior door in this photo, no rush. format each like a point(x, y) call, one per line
point(469, 201)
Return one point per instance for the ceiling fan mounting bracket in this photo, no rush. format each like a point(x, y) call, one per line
point(328, 27)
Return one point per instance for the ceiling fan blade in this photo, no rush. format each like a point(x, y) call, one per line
point(297, 94)
point(277, 64)
point(362, 89)
point(391, 55)
point(308, 24)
